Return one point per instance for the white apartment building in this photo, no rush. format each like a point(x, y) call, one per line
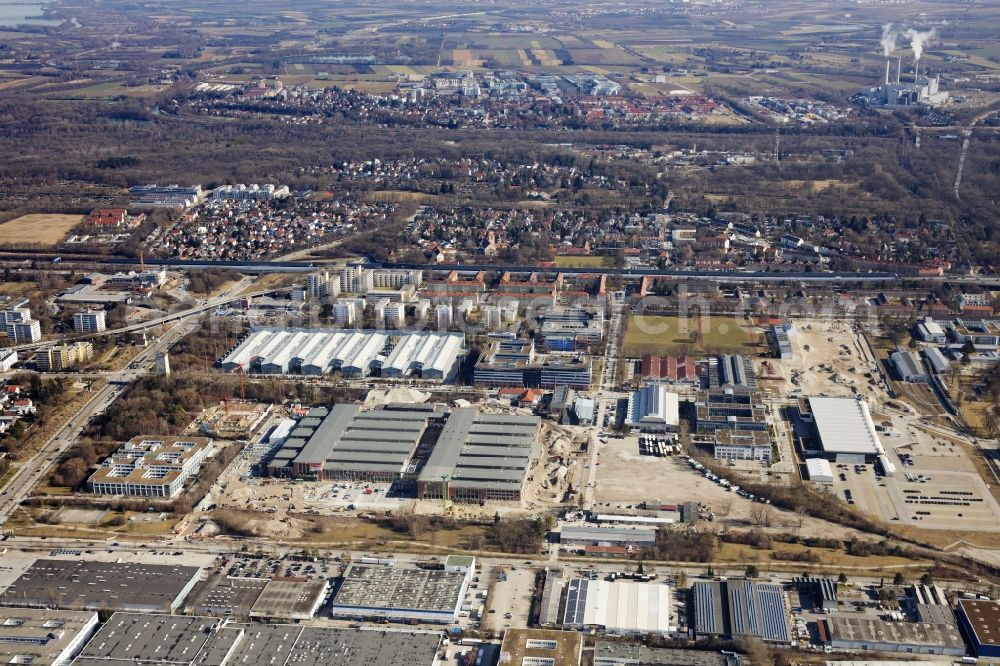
point(23, 332)
point(89, 321)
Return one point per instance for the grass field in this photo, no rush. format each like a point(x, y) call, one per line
point(37, 228)
point(648, 334)
point(582, 261)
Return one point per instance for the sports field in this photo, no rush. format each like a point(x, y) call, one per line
point(650, 334)
point(582, 261)
point(37, 229)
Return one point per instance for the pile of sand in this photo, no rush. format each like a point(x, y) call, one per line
point(399, 394)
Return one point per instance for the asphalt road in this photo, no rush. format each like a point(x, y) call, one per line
point(28, 473)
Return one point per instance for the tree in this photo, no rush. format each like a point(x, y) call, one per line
point(842, 578)
point(680, 580)
point(927, 579)
point(762, 515)
point(751, 571)
point(898, 579)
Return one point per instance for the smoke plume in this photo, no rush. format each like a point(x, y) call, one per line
point(919, 39)
point(889, 37)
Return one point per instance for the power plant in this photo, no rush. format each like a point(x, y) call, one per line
point(920, 91)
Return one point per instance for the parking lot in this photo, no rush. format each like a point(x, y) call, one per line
point(936, 486)
point(510, 602)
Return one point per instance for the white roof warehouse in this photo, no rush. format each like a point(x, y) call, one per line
point(278, 351)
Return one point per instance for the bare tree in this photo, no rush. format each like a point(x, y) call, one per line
point(762, 515)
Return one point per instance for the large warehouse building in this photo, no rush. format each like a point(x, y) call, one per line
point(980, 621)
point(157, 640)
point(740, 608)
point(867, 633)
point(43, 637)
point(479, 457)
point(354, 353)
point(400, 594)
point(81, 585)
point(844, 430)
point(621, 607)
point(345, 443)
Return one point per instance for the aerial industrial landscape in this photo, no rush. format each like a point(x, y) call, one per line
point(499, 333)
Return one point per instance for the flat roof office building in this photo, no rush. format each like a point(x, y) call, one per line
point(400, 594)
point(726, 409)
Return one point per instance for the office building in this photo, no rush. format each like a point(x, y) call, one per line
point(400, 594)
point(729, 409)
point(781, 345)
point(150, 466)
point(8, 358)
point(742, 445)
point(514, 363)
point(165, 196)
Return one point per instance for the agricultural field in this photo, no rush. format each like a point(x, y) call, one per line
point(37, 229)
point(651, 334)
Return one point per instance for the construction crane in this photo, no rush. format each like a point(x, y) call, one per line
point(243, 392)
point(444, 491)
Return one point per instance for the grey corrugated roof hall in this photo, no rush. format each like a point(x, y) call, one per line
point(477, 450)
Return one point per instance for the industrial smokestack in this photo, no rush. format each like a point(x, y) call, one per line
point(899, 70)
point(916, 71)
point(886, 71)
